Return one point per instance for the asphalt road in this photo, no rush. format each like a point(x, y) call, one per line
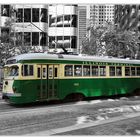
point(78, 118)
point(125, 127)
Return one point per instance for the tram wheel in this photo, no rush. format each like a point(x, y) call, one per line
point(74, 97)
point(79, 97)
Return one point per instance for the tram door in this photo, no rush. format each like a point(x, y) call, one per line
point(48, 75)
point(52, 81)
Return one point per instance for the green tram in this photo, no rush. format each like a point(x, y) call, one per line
point(43, 77)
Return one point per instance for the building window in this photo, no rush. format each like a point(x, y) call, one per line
point(4, 34)
point(60, 18)
point(67, 21)
point(52, 21)
point(27, 15)
point(44, 15)
point(5, 10)
point(67, 17)
point(19, 38)
point(59, 40)
point(35, 38)
point(66, 41)
point(43, 39)
point(51, 41)
point(73, 42)
point(19, 15)
point(35, 15)
point(27, 38)
point(59, 21)
point(74, 21)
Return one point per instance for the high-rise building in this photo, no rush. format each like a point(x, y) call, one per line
point(63, 27)
point(37, 26)
point(82, 24)
point(31, 24)
point(67, 26)
point(100, 14)
point(4, 16)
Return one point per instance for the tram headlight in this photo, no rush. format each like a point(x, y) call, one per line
point(6, 82)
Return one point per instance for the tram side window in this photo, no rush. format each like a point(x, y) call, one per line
point(127, 71)
point(55, 72)
point(77, 70)
point(138, 71)
point(69, 70)
point(133, 71)
point(44, 72)
point(27, 70)
point(38, 73)
point(112, 71)
point(50, 72)
point(86, 70)
point(95, 70)
point(118, 71)
point(102, 70)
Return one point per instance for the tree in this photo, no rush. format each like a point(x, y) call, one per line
point(11, 43)
point(6, 47)
point(122, 44)
point(93, 45)
point(111, 41)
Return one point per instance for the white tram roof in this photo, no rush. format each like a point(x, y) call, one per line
point(43, 56)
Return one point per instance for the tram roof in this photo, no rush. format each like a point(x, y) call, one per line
point(45, 56)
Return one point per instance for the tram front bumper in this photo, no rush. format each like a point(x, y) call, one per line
point(9, 95)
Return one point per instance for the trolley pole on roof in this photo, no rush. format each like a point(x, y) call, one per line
point(65, 51)
point(37, 27)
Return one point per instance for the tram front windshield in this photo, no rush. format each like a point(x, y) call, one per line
point(11, 71)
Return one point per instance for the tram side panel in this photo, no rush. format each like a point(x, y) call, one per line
point(98, 87)
point(91, 86)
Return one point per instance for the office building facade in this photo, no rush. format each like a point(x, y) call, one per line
point(4, 17)
point(98, 15)
point(82, 24)
point(31, 25)
point(63, 27)
point(38, 26)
